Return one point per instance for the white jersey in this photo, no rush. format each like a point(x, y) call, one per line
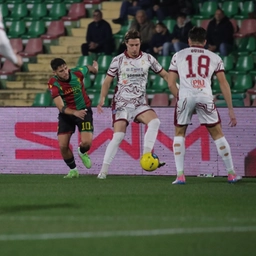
point(132, 77)
point(195, 67)
point(5, 46)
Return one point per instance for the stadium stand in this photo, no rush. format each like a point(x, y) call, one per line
point(17, 44)
point(33, 47)
point(19, 11)
point(244, 10)
point(42, 99)
point(8, 68)
point(37, 12)
point(54, 30)
point(76, 11)
point(65, 25)
point(248, 27)
point(36, 29)
point(16, 29)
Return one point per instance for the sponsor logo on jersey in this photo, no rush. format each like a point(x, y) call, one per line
point(198, 83)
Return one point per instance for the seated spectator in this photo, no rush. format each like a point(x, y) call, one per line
point(163, 9)
point(220, 34)
point(186, 6)
point(161, 36)
point(146, 29)
point(99, 37)
point(179, 35)
point(130, 8)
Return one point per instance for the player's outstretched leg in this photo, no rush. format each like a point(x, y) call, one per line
point(73, 173)
point(85, 159)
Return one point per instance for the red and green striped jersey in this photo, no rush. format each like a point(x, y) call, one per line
point(72, 91)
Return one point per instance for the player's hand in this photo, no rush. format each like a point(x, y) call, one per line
point(95, 65)
point(80, 113)
point(20, 61)
point(99, 107)
point(232, 116)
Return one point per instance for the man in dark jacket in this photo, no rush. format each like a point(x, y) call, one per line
point(179, 35)
point(220, 34)
point(99, 37)
point(130, 7)
point(164, 8)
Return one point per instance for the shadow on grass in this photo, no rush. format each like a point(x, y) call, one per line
point(34, 207)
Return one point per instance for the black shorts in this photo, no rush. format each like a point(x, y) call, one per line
point(68, 123)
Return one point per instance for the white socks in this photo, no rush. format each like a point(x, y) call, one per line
point(112, 150)
point(179, 153)
point(150, 135)
point(225, 153)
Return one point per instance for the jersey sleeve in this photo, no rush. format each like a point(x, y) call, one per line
point(173, 65)
point(113, 68)
point(83, 69)
point(220, 65)
point(53, 88)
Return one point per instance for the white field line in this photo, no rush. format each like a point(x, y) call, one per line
point(104, 218)
point(125, 233)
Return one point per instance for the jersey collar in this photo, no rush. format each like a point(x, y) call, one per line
point(198, 46)
point(126, 54)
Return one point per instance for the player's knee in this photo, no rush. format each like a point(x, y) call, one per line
point(154, 124)
point(118, 137)
point(64, 148)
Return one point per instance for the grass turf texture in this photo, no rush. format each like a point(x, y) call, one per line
point(207, 216)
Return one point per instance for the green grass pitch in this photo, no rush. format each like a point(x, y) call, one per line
point(126, 216)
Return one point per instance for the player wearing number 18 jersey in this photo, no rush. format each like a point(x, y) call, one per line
point(195, 66)
point(69, 95)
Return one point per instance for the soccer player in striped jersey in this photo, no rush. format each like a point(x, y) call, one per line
point(194, 66)
point(129, 102)
point(69, 95)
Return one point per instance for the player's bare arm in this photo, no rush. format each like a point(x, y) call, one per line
point(172, 78)
point(104, 92)
point(68, 111)
point(225, 89)
point(94, 68)
point(164, 75)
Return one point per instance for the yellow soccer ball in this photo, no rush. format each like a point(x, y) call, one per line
point(149, 162)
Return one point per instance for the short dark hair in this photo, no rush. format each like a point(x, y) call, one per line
point(132, 34)
point(57, 62)
point(182, 14)
point(197, 34)
point(98, 11)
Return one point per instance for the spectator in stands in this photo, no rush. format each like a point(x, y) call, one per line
point(161, 36)
point(186, 6)
point(164, 8)
point(6, 49)
point(146, 29)
point(130, 8)
point(220, 34)
point(99, 37)
point(179, 35)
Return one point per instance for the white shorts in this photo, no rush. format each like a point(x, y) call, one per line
point(129, 113)
point(203, 106)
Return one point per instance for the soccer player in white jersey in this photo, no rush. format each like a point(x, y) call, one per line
point(129, 102)
point(195, 66)
point(6, 48)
